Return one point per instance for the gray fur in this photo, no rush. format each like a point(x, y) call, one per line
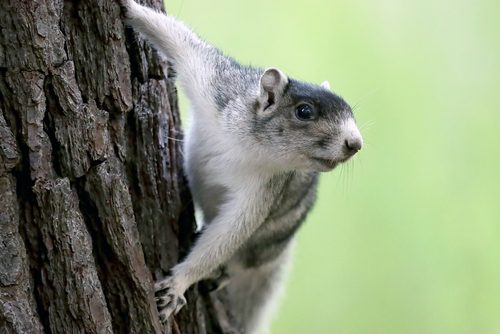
point(252, 158)
point(289, 210)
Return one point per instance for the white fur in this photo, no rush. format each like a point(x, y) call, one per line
point(247, 203)
point(268, 279)
point(350, 131)
point(228, 172)
point(326, 85)
point(179, 43)
point(238, 219)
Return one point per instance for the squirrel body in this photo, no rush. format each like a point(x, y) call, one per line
point(255, 146)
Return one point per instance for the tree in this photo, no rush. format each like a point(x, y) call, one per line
point(94, 205)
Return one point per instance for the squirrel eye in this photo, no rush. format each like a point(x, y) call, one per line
point(305, 112)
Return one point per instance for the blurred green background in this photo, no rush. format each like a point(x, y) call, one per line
point(406, 237)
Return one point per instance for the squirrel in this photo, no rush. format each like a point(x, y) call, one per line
point(256, 144)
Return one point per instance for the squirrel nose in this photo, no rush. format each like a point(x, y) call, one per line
point(353, 144)
point(352, 138)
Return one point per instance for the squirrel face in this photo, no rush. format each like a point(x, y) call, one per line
point(304, 126)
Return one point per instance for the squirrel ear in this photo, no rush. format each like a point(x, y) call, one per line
point(272, 84)
point(325, 85)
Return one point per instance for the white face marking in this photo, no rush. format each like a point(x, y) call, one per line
point(350, 133)
point(326, 85)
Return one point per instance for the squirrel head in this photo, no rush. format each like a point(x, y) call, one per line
point(301, 125)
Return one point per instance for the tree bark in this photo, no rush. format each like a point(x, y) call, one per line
point(93, 203)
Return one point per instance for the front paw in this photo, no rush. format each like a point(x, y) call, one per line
point(169, 299)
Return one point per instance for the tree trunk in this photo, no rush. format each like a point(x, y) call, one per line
point(93, 203)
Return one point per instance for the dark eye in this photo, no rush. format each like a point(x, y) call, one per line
point(305, 112)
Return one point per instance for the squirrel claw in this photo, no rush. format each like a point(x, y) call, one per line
point(168, 299)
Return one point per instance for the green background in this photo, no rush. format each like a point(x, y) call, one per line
point(406, 237)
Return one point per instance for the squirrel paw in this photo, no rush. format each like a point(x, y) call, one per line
point(168, 299)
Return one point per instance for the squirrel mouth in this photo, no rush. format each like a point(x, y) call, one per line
point(330, 163)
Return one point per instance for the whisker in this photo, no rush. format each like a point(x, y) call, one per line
point(366, 125)
point(180, 10)
point(345, 182)
point(349, 175)
point(351, 172)
point(365, 97)
point(341, 179)
point(175, 139)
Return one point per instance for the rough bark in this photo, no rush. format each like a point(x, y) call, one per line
point(93, 204)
